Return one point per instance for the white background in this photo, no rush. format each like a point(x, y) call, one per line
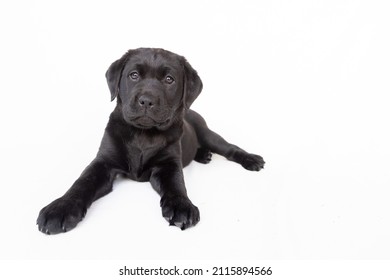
point(305, 84)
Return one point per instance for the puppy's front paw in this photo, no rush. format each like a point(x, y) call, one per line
point(179, 211)
point(59, 216)
point(252, 162)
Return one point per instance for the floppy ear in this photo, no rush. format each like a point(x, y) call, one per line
point(192, 84)
point(114, 74)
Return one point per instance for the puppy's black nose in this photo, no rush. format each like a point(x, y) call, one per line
point(146, 101)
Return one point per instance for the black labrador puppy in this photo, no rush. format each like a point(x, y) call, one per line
point(151, 135)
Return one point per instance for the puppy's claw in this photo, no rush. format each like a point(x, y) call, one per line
point(180, 212)
point(61, 215)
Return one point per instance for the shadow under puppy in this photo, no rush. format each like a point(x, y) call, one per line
point(151, 135)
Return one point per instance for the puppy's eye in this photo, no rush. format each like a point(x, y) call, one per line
point(134, 75)
point(169, 79)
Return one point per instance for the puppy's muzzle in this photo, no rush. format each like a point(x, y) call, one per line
point(147, 101)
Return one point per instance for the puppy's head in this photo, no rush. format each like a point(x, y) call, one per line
point(153, 87)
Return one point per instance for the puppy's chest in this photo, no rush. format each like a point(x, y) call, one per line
point(140, 150)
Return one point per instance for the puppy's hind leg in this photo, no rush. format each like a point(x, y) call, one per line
point(203, 155)
point(211, 141)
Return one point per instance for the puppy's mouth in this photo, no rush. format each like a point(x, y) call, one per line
point(146, 122)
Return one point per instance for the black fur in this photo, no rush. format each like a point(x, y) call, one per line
point(151, 135)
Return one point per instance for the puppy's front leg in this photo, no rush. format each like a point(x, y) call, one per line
point(168, 180)
point(64, 213)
